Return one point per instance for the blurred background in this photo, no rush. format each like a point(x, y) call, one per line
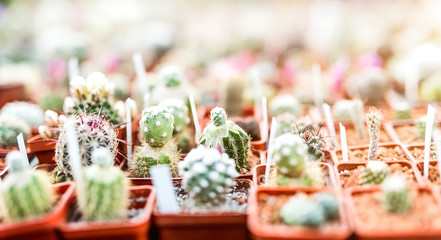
point(398, 42)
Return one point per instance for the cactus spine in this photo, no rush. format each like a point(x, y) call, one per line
point(10, 127)
point(157, 126)
point(103, 191)
point(24, 193)
point(395, 195)
point(357, 113)
point(225, 133)
point(373, 123)
point(208, 176)
point(374, 173)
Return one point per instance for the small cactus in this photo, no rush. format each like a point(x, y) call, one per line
point(420, 127)
point(313, 176)
point(329, 204)
point(402, 111)
point(179, 111)
point(342, 110)
point(373, 123)
point(233, 94)
point(171, 82)
point(103, 190)
point(232, 139)
point(286, 123)
point(157, 126)
point(285, 103)
point(172, 76)
point(395, 196)
point(301, 211)
point(290, 153)
point(357, 119)
point(31, 113)
point(374, 173)
point(207, 176)
point(24, 193)
point(10, 128)
point(92, 131)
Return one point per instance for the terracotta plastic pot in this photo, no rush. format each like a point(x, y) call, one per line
point(133, 229)
point(42, 228)
point(337, 152)
point(420, 166)
point(44, 149)
point(362, 233)
point(262, 231)
point(11, 92)
point(259, 175)
point(350, 166)
point(202, 226)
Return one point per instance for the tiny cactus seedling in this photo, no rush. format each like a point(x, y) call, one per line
point(342, 110)
point(301, 211)
point(402, 111)
point(103, 190)
point(10, 128)
point(285, 103)
point(31, 113)
point(420, 127)
point(157, 126)
point(207, 176)
point(374, 173)
point(357, 119)
point(329, 203)
point(290, 153)
point(395, 195)
point(225, 133)
point(373, 123)
point(179, 111)
point(24, 193)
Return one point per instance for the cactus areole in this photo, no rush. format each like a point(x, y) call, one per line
point(225, 133)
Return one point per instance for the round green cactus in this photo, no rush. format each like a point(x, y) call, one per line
point(179, 111)
point(229, 136)
point(207, 176)
point(31, 113)
point(103, 191)
point(290, 153)
point(285, 104)
point(286, 123)
point(92, 131)
point(395, 195)
point(313, 176)
point(342, 110)
point(329, 203)
point(172, 76)
point(374, 173)
point(157, 126)
point(24, 193)
point(301, 211)
point(10, 128)
point(402, 111)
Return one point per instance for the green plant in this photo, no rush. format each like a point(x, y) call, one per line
point(285, 103)
point(395, 196)
point(92, 131)
point(52, 101)
point(207, 176)
point(313, 176)
point(329, 204)
point(32, 114)
point(233, 94)
point(342, 110)
point(10, 128)
point(301, 211)
point(402, 111)
point(24, 193)
point(157, 126)
point(171, 82)
point(103, 191)
point(229, 136)
point(373, 123)
point(357, 119)
point(430, 89)
point(286, 123)
point(179, 111)
point(420, 127)
point(374, 173)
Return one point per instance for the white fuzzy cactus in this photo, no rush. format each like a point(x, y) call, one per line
point(373, 122)
point(395, 194)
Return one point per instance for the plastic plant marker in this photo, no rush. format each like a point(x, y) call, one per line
point(22, 148)
point(129, 129)
point(317, 80)
point(270, 149)
point(73, 68)
point(165, 194)
point(141, 78)
point(428, 137)
point(344, 144)
point(257, 87)
point(197, 127)
point(73, 149)
point(330, 122)
point(264, 119)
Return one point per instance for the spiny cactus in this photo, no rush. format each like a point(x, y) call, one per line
point(313, 176)
point(24, 193)
point(342, 110)
point(357, 119)
point(290, 153)
point(286, 123)
point(10, 128)
point(374, 173)
point(233, 94)
point(103, 190)
point(301, 211)
point(329, 204)
point(420, 127)
point(92, 131)
point(232, 139)
point(207, 176)
point(395, 196)
point(179, 111)
point(31, 113)
point(157, 126)
point(285, 103)
point(373, 124)
point(402, 111)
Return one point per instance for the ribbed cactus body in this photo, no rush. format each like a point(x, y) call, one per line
point(92, 131)
point(300, 211)
point(24, 193)
point(285, 104)
point(10, 128)
point(373, 123)
point(179, 111)
point(31, 113)
point(207, 176)
point(103, 190)
point(157, 126)
point(229, 136)
point(374, 173)
point(290, 154)
point(395, 196)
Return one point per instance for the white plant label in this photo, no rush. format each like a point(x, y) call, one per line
point(257, 87)
point(330, 123)
point(73, 68)
point(194, 112)
point(264, 119)
point(428, 138)
point(270, 149)
point(22, 148)
point(73, 149)
point(317, 80)
point(129, 129)
point(344, 144)
point(165, 193)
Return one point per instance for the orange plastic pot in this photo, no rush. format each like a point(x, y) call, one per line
point(262, 231)
point(42, 228)
point(203, 226)
point(134, 229)
point(44, 149)
point(336, 160)
point(11, 92)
